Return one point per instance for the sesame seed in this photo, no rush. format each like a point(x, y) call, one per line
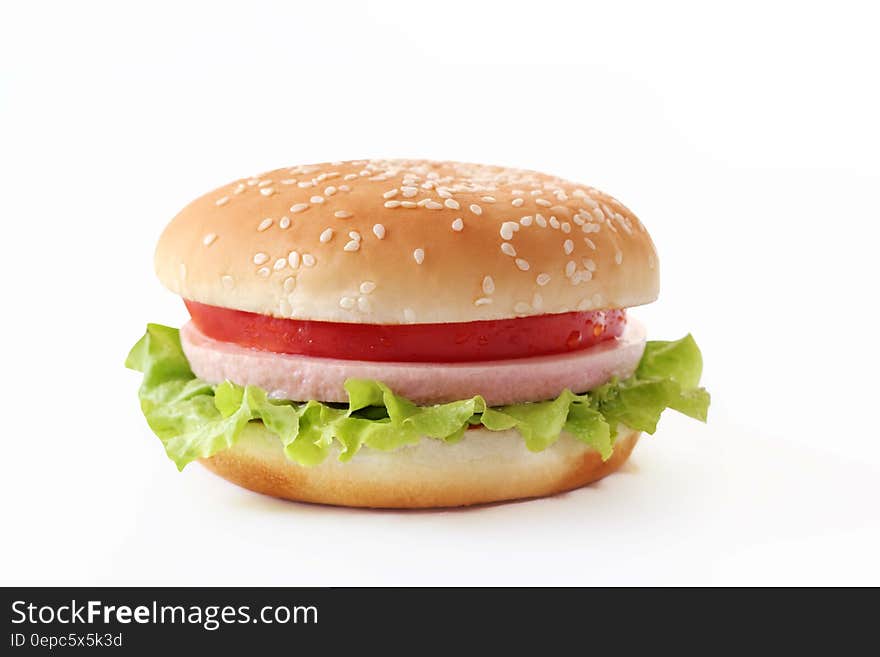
point(285, 308)
point(327, 235)
point(419, 256)
point(444, 193)
point(305, 184)
point(209, 239)
point(568, 247)
point(364, 304)
point(570, 266)
point(522, 264)
point(590, 243)
point(566, 227)
point(391, 193)
point(409, 192)
point(239, 189)
point(264, 183)
point(589, 264)
point(308, 260)
point(344, 188)
point(408, 204)
point(544, 202)
point(392, 204)
point(379, 231)
point(223, 200)
point(342, 214)
point(356, 236)
point(507, 249)
point(329, 191)
point(542, 279)
point(293, 259)
point(590, 228)
point(539, 219)
point(351, 245)
point(409, 315)
point(284, 222)
point(267, 191)
point(367, 287)
point(299, 207)
point(597, 213)
point(476, 209)
point(488, 199)
point(537, 301)
point(508, 228)
point(554, 223)
point(289, 284)
point(349, 176)
point(458, 225)
point(228, 281)
point(517, 202)
point(317, 199)
point(521, 307)
point(260, 258)
point(618, 257)
point(264, 224)
point(433, 205)
point(488, 285)
point(624, 223)
point(288, 181)
point(526, 221)
point(452, 204)
point(263, 272)
point(347, 303)
point(280, 264)
point(252, 182)
point(482, 301)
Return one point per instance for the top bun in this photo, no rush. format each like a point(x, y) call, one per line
point(407, 241)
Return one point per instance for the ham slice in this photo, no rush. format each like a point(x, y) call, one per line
point(300, 378)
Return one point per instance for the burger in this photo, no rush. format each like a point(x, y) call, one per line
point(409, 333)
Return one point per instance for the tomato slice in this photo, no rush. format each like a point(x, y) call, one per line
point(428, 343)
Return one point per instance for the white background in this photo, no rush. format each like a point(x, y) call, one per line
point(746, 138)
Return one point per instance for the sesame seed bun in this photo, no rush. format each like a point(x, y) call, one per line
point(407, 241)
point(487, 466)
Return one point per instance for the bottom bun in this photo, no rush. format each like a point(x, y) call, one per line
point(486, 466)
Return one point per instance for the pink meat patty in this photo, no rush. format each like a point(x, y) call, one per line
point(300, 378)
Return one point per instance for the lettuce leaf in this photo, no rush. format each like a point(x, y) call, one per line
point(195, 419)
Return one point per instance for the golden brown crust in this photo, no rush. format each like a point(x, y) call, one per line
point(376, 242)
point(484, 467)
